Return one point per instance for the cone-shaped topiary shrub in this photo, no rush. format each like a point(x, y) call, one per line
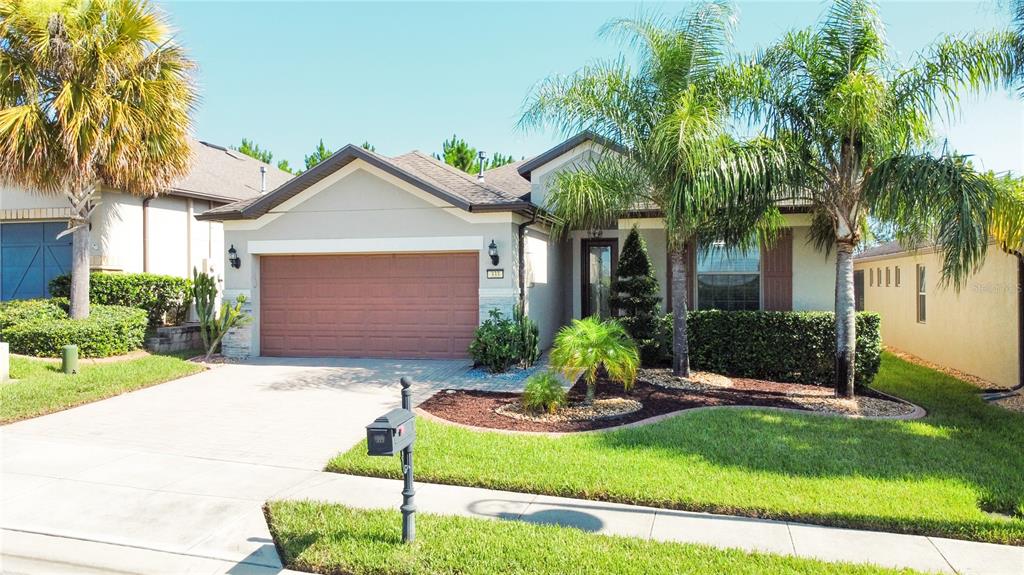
point(634, 298)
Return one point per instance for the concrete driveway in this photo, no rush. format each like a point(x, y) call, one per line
point(172, 478)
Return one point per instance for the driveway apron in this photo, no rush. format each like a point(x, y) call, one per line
point(172, 478)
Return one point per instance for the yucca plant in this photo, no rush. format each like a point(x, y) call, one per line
point(92, 94)
point(589, 345)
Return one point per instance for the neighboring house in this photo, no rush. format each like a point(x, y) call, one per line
point(978, 331)
point(370, 256)
point(129, 233)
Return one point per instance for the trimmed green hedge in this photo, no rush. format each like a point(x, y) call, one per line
point(42, 327)
point(794, 347)
point(165, 298)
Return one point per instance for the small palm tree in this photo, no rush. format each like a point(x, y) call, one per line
point(590, 344)
point(857, 128)
point(92, 94)
point(668, 118)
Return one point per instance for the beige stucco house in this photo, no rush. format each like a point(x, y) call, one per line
point(130, 233)
point(366, 255)
point(977, 331)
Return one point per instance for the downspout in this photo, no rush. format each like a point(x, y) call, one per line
point(522, 259)
point(145, 233)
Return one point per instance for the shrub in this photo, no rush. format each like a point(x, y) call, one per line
point(165, 298)
point(19, 311)
point(42, 328)
point(634, 298)
point(501, 342)
point(543, 392)
point(796, 347)
point(590, 344)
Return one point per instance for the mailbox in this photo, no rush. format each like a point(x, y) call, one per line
point(391, 433)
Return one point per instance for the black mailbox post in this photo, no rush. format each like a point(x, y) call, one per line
point(394, 432)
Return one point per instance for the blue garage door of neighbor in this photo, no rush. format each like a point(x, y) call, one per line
point(31, 256)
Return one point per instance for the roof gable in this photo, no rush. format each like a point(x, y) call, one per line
point(537, 161)
point(415, 168)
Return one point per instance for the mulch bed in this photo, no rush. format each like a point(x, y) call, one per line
point(476, 408)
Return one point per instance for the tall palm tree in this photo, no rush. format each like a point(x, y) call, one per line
point(668, 120)
point(858, 130)
point(92, 94)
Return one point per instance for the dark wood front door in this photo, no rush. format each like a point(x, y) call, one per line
point(600, 258)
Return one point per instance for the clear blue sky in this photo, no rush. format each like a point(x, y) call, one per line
point(407, 75)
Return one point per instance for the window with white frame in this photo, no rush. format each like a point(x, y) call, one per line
point(728, 279)
point(922, 295)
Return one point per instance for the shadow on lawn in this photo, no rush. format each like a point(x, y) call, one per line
point(961, 439)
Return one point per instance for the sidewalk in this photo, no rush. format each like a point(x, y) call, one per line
point(930, 554)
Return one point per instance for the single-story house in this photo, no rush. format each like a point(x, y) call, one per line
point(978, 331)
point(129, 233)
point(371, 256)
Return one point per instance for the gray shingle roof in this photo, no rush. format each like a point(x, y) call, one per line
point(887, 249)
point(224, 174)
point(507, 178)
point(429, 174)
point(454, 180)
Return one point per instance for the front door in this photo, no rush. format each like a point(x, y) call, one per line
point(600, 257)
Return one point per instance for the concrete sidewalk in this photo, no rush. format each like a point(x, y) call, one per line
point(931, 554)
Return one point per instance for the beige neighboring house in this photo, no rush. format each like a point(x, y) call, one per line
point(371, 256)
point(130, 233)
point(978, 331)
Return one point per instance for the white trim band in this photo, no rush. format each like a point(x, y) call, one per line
point(367, 245)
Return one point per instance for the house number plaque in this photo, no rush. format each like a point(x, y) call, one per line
point(495, 274)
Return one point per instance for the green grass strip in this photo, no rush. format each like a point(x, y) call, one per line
point(42, 388)
point(333, 539)
point(957, 473)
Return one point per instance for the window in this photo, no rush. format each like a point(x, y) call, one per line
point(921, 314)
point(871, 277)
point(728, 279)
point(897, 276)
point(888, 277)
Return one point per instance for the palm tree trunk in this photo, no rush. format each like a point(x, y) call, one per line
point(846, 325)
point(680, 345)
point(80, 273)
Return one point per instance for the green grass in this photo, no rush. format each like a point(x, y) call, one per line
point(42, 388)
point(942, 475)
point(325, 538)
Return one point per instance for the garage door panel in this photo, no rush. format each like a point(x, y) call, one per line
point(379, 305)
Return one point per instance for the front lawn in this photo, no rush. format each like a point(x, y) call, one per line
point(325, 538)
point(957, 473)
point(42, 388)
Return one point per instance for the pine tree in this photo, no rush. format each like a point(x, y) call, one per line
point(634, 299)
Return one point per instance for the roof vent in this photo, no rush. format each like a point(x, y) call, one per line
point(481, 156)
point(263, 179)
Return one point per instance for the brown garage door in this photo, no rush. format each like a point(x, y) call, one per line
point(380, 305)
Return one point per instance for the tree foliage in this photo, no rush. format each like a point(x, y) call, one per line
point(666, 120)
point(456, 152)
point(320, 153)
point(253, 150)
point(589, 345)
point(857, 128)
point(92, 94)
point(635, 300)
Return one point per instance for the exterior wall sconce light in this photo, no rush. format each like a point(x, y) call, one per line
point(492, 250)
point(233, 259)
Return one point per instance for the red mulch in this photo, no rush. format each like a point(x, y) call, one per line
point(476, 408)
